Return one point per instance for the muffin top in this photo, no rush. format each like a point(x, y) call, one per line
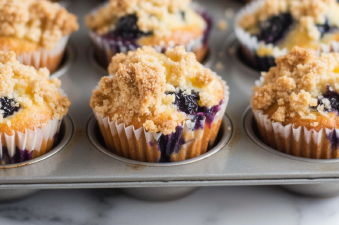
point(156, 91)
point(28, 98)
point(303, 89)
point(289, 23)
point(136, 18)
point(37, 21)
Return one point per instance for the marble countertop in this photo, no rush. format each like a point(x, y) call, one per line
point(213, 205)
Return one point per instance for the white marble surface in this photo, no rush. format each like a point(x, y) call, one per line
point(213, 205)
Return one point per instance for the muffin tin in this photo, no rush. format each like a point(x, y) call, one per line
point(241, 160)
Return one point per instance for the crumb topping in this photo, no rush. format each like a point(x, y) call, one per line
point(140, 82)
point(28, 86)
point(157, 17)
point(296, 83)
point(309, 13)
point(37, 21)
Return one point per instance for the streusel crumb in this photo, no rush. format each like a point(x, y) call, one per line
point(296, 83)
point(28, 86)
point(138, 89)
point(38, 21)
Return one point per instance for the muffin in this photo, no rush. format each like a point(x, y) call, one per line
point(124, 25)
point(37, 31)
point(296, 104)
point(270, 28)
point(158, 107)
point(31, 110)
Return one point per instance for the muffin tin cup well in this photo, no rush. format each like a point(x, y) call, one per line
point(314, 190)
point(65, 136)
point(66, 61)
point(95, 137)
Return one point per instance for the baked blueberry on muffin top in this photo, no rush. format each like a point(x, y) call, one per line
point(167, 94)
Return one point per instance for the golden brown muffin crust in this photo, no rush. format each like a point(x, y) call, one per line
point(38, 21)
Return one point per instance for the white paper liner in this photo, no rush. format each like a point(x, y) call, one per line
point(39, 140)
point(252, 44)
point(44, 57)
point(142, 145)
point(106, 49)
point(299, 141)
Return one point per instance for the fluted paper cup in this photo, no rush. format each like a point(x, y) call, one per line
point(43, 57)
point(31, 144)
point(300, 141)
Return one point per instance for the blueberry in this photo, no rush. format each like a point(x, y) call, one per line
point(9, 106)
point(333, 97)
point(183, 15)
point(187, 103)
point(127, 28)
point(274, 28)
point(326, 28)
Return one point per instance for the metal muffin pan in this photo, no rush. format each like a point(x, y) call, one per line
point(240, 162)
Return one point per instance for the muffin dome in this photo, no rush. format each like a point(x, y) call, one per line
point(157, 91)
point(303, 90)
point(26, 25)
point(28, 99)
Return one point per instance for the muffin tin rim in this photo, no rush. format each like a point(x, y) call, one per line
point(248, 118)
point(226, 125)
point(68, 123)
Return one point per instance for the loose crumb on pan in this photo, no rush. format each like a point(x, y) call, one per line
point(295, 84)
point(140, 80)
point(41, 22)
point(229, 13)
point(28, 86)
point(222, 25)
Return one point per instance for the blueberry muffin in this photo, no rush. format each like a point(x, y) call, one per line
point(159, 107)
point(270, 28)
point(124, 25)
point(37, 31)
point(296, 104)
point(30, 111)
